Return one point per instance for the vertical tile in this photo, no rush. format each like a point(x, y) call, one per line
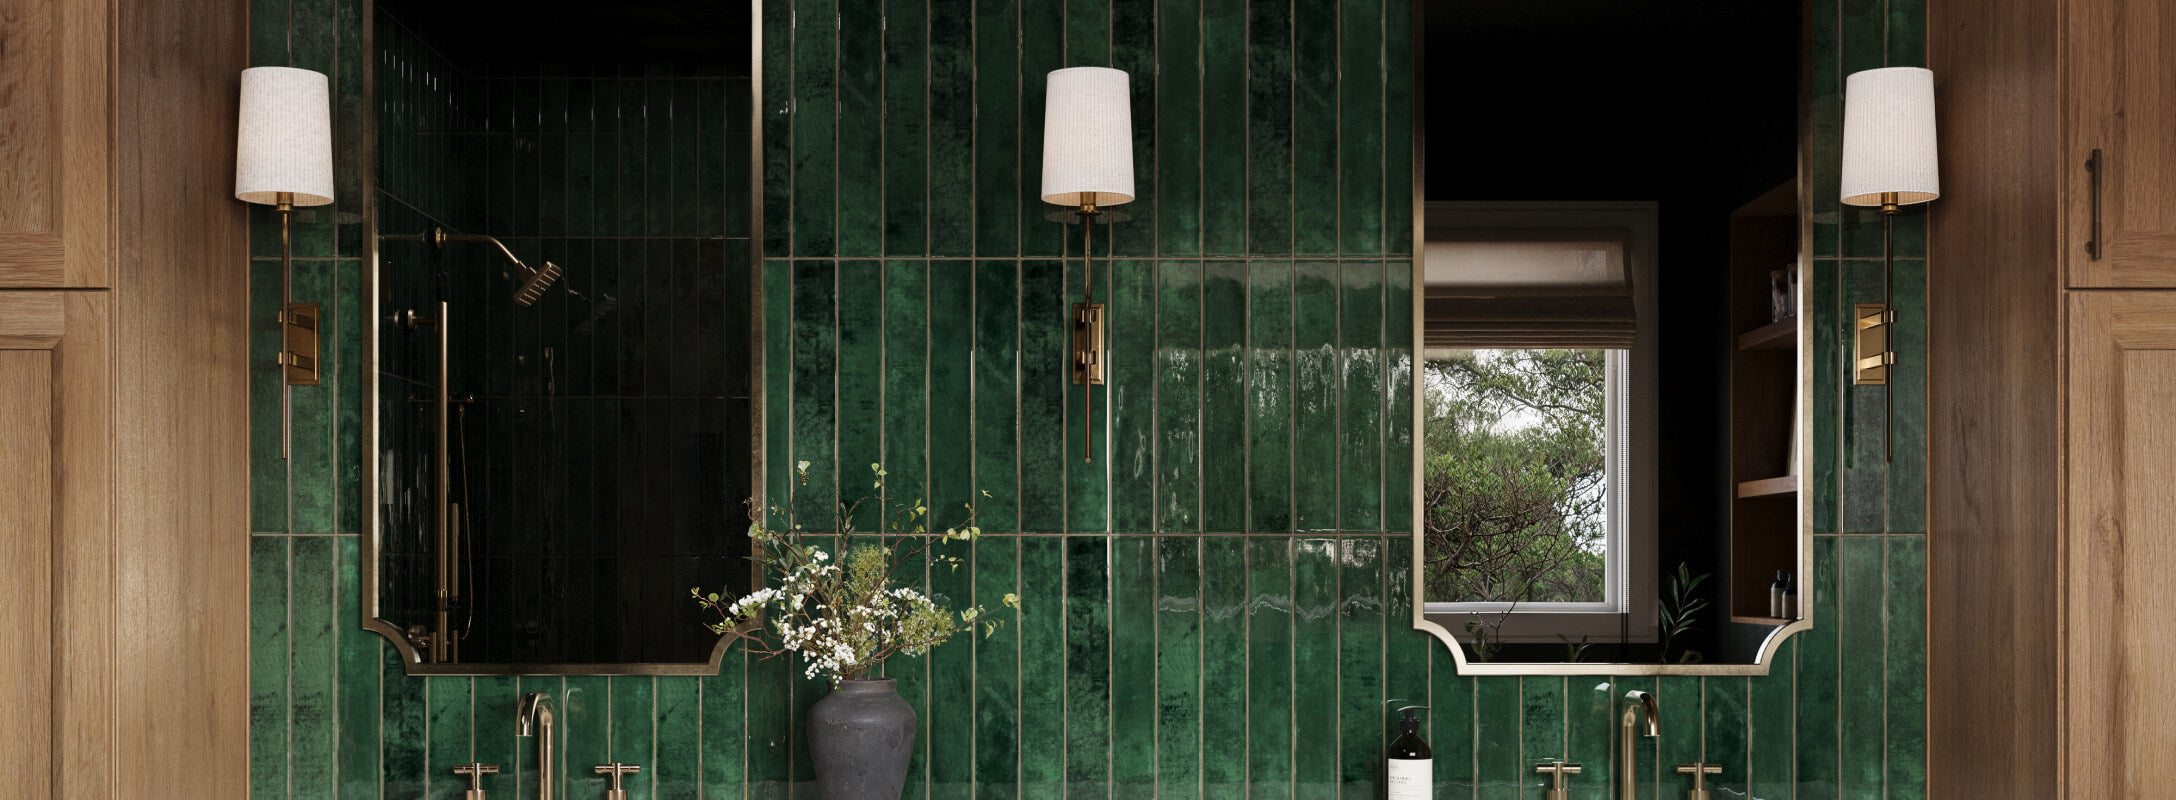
point(1269, 395)
point(677, 751)
point(1905, 682)
point(1906, 474)
point(814, 342)
point(588, 723)
point(861, 386)
point(1820, 732)
point(1498, 709)
point(907, 95)
point(1727, 699)
point(345, 317)
point(1863, 617)
point(1180, 706)
point(1405, 650)
point(311, 467)
point(269, 23)
point(1590, 722)
point(1178, 396)
point(1224, 603)
point(1043, 724)
point(1269, 128)
point(1360, 129)
point(311, 605)
point(356, 721)
point(815, 120)
point(269, 707)
point(1270, 706)
point(1863, 468)
point(1224, 118)
point(997, 111)
point(997, 393)
point(1684, 718)
point(1088, 431)
point(634, 732)
point(952, 688)
point(1088, 33)
point(1178, 123)
point(1045, 345)
point(906, 378)
point(1133, 666)
point(1224, 407)
point(1450, 724)
point(1772, 715)
point(1361, 452)
point(913, 676)
point(777, 381)
point(770, 726)
point(1398, 110)
point(1541, 728)
point(1647, 753)
point(778, 117)
point(1825, 297)
point(1133, 49)
point(1316, 383)
point(998, 675)
point(403, 726)
point(1042, 49)
point(861, 192)
point(268, 481)
point(1398, 369)
point(1315, 658)
point(1362, 722)
point(952, 191)
point(496, 699)
point(1315, 190)
point(951, 401)
point(1130, 389)
point(450, 742)
point(1087, 667)
point(716, 153)
point(724, 727)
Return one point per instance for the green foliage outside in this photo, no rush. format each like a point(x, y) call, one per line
point(1514, 475)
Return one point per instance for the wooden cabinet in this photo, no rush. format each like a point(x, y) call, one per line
point(2119, 100)
point(56, 142)
point(2120, 587)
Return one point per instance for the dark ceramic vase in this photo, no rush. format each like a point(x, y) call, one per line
point(861, 736)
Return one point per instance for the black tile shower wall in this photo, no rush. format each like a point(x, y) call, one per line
point(1216, 606)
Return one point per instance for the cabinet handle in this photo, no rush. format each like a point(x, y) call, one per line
point(2093, 167)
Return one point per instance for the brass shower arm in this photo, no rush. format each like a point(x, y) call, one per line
point(438, 237)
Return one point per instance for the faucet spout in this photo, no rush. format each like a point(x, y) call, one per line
point(1638, 704)
point(533, 717)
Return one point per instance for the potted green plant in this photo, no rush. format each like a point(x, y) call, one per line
point(844, 616)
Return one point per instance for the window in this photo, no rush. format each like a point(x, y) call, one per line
point(1538, 421)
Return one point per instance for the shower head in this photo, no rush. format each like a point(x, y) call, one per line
point(533, 286)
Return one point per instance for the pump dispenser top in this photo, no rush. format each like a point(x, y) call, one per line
point(1409, 766)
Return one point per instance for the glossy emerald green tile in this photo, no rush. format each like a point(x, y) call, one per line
point(1681, 699)
point(950, 392)
point(906, 126)
point(1405, 650)
point(997, 393)
point(815, 98)
point(1362, 718)
point(998, 674)
point(1361, 429)
point(913, 677)
point(1824, 145)
point(1087, 667)
point(311, 605)
point(778, 105)
point(1315, 658)
point(1863, 469)
point(496, 699)
point(1824, 294)
point(724, 727)
point(1360, 131)
point(1862, 44)
point(1818, 767)
point(311, 468)
point(1269, 395)
point(1179, 113)
point(1042, 50)
point(1863, 623)
point(1724, 739)
point(777, 381)
point(1862, 232)
point(1045, 346)
point(1223, 699)
point(1905, 685)
point(450, 702)
point(268, 26)
point(355, 724)
point(950, 207)
point(586, 719)
point(1041, 624)
point(1449, 726)
point(815, 379)
point(1178, 396)
point(344, 314)
point(1315, 189)
point(1179, 702)
point(1134, 706)
point(1317, 381)
point(1771, 715)
point(721, 159)
point(906, 378)
point(403, 726)
point(999, 187)
point(1133, 49)
point(1088, 33)
point(1269, 128)
point(1498, 707)
point(860, 385)
point(1398, 396)
point(1541, 728)
point(637, 118)
point(860, 135)
point(1088, 463)
point(552, 183)
point(1130, 390)
point(1907, 471)
point(268, 482)
point(1646, 753)
point(604, 165)
point(1223, 84)
point(1270, 656)
point(1907, 33)
point(770, 725)
point(1398, 113)
point(677, 752)
point(1590, 722)
point(634, 730)
point(269, 702)
point(686, 201)
point(952, 744)
point(1223, 392)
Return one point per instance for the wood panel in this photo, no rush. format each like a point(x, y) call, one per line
point(31, 320)
point(2118, 59)
point(56, 142)
point(2122, 544)
point(1993, 387)
point(26, 565)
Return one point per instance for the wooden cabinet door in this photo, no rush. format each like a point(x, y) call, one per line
point(2119, 85)
point(2119, 619)
point(56, 142)
point(56, 545)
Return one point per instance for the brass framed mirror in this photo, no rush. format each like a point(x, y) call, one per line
point(1612, 383)
point(563, 357)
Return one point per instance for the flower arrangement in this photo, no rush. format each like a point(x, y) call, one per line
point(843, 615)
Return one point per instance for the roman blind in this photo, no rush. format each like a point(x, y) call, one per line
point(1494, 288)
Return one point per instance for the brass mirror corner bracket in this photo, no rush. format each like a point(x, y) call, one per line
point(1871, 356)
point(298, 348)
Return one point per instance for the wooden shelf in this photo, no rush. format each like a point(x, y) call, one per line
point(1781, 335)
point(1768, 621)
point(1767, 487)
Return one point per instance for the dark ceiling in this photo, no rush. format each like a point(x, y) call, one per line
point(510, 37)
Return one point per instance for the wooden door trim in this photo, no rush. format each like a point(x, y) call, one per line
point(32, 320)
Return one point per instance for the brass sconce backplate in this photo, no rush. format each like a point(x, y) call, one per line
point(298, 350)
point(1088, 344)
point(1870, 353)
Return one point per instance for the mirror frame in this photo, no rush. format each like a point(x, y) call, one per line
point(1764, 658)
point(411, 660)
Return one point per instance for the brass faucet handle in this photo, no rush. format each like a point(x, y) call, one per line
point(615, 770)
point(1699, 770)
point(475, 770)
point(1556, 770)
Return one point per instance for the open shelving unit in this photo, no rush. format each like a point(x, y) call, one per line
point(1764, 398)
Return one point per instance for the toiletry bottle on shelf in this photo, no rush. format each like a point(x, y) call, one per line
point(1790, 599)
point(1410, 766)
point(1776, 592)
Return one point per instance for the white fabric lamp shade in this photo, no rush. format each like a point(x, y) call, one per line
point(286, 137)
point(1088, 137)
point(1889, 137)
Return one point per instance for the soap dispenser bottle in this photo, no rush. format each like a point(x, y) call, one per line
point(1411, 768)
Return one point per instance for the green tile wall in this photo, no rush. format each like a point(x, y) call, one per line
point(1216, 604)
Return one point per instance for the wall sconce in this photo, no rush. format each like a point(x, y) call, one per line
point(283, 158)
point(1889, 161)
point(1088, 166)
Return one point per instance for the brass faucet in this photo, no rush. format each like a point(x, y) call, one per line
point(534, 718)
point(1640, 701)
